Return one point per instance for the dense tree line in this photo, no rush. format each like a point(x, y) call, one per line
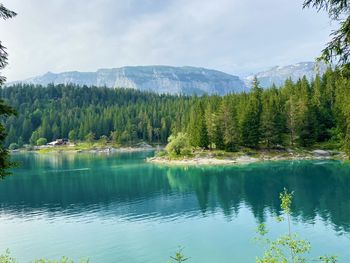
point(297, 114)
point(82, 113)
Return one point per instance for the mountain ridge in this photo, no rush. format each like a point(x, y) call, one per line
point(161, 79)
point(186, 80)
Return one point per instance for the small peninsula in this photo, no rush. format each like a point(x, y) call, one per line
point(203, 157)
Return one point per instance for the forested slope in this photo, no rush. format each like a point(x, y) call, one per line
point(70, 111)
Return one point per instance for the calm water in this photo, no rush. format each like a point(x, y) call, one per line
point(117, 208)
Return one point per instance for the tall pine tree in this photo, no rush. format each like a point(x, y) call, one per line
point(250, 125)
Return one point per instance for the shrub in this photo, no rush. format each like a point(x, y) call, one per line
point(13, 146)
point(178, 145)
point(187, 151)
point(103, 139)
point(288, 248)
point(161, 153)
point(90, 137)
point(41, 141)
point(179, 257)
point(72, 135)
point(6, 258)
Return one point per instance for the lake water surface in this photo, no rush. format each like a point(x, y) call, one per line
point(117, 208)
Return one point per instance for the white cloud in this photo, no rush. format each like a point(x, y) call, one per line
point(230, 35)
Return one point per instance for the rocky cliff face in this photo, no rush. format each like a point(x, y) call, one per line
point(179, 80)
point(160, 79)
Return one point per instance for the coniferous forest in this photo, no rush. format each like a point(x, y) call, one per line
point(300, 114)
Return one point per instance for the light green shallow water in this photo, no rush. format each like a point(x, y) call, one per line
point(117, 208)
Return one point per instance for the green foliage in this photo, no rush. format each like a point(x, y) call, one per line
point(288, 248)
point(72, 135)
point(90, 137)
point(103, 139)
point(5, 111)
point(125, 116)
point(328, 259)
point(6, 258)
point(4, 14)
point(41, 141)
point(272, 119)
point(13, 146)
point(179, 257)
point(228, 121)
point(178, 145)
point(251, 121)
point(286, 201)
point(34, 137)
point(161, 153)
point(62, 260)
point(115, 137)
point(347, 140)
point(338, 49)
point(197, 127)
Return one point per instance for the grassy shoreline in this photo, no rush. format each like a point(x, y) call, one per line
point(212, 157)
point(85, 147)
point(197, 157)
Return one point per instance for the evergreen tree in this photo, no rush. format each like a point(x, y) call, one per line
point(272, 122)
point(197, 127)
point(306, 119)
point(230, 128)
point(251, 133)
point(338, 49)
point(5, 110)
point(323, 113)
point(90, 137)
point(290, 109)
point(35, 136)
point(72, 135)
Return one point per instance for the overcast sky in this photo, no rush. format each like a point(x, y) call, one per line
point(235, 36)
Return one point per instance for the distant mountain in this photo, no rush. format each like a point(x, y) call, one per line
point(179, 80)
point(159, 79)
point(277, 75)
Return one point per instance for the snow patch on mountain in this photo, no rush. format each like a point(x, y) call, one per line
point(278, 74)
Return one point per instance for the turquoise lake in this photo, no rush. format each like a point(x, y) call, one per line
point(118, 208)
